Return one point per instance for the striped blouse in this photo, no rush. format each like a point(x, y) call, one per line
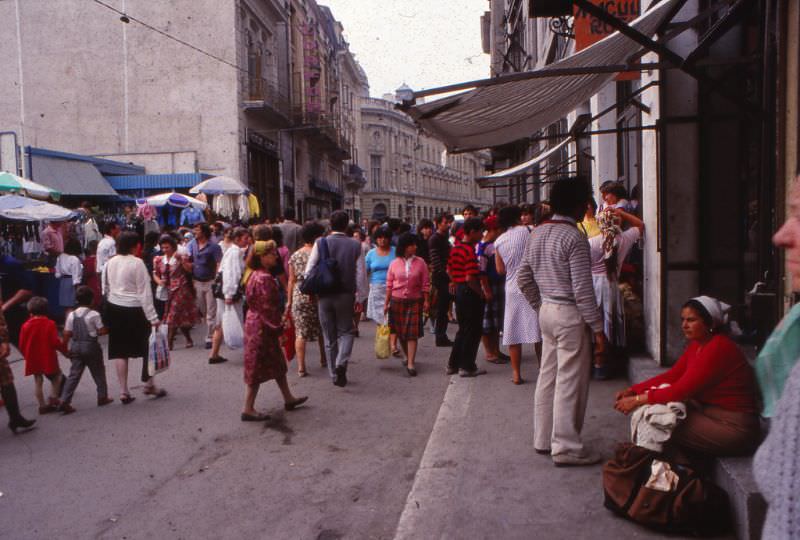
point(463, 263)
point(556, 269)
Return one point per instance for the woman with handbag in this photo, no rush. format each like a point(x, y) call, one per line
point(303, 307)
point(713, 379)
point(377, 264)
point(407, 288)
point(228, 287)
point(263, 358)
point(175, 282)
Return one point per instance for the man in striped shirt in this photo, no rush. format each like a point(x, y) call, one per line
point(555, 277)
point(462, 267)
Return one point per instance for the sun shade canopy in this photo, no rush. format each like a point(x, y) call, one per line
point(505, 112)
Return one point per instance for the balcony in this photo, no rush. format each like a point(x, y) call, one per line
point(355, 179)
point(264, 98)
point(324, 185)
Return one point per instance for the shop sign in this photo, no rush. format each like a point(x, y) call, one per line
point(589, 30)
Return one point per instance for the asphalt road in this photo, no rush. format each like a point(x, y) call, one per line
point(386, 457)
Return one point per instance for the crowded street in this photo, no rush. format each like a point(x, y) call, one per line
point(347, 465)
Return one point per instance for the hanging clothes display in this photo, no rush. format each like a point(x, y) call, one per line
point(243, 207)
point(224, 205)
point(191, 216)
point(255, 209)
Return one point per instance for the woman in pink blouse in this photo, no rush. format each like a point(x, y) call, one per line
point(407, 288)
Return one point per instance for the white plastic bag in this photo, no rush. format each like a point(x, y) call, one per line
point(232, 329)
point(158, 350)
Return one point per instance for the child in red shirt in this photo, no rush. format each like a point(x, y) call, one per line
point(38, 343)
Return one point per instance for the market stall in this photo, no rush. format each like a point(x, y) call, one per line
point(230, 198)
point(21, 222)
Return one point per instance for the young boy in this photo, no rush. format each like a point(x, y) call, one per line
point(82, 327)
point(38, 343)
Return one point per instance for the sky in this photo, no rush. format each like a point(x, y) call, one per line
point(423, 43)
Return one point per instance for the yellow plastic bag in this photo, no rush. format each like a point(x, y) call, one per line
point(382, 349)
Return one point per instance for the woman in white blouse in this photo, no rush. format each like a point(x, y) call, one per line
point(129, 313)
point(232, 269)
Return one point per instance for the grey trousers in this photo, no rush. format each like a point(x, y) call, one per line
point(96, 368)
point(336, 319)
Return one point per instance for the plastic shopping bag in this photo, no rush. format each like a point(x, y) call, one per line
point(158, 351)
point(232, 329)
point(382, 349)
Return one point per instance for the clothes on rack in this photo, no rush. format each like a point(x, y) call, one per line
point(191, 216)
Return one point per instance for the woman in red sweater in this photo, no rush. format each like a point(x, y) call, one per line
point(715, 381)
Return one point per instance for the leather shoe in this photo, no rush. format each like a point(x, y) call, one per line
point(568, 460)
point(473, 373)
point(341, 376)
point(292, 405)
point(217, 360)
point(443, 342)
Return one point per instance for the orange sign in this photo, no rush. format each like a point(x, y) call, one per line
point(589, 30)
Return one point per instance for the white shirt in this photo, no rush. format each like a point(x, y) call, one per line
point(106, 249)
point(126, 283)
point(232, 268)
point(69, 265)
point(90, 317)
point(624, 241)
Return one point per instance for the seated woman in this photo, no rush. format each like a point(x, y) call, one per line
point(715, 381)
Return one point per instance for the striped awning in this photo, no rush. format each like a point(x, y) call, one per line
point(505, 112)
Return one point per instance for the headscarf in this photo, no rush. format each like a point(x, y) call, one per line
point(262, 247)
point(610, 226)
point(716, 309)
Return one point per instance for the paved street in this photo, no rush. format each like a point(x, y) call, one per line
point(348, 465)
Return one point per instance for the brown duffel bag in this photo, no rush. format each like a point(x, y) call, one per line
point(696, 506)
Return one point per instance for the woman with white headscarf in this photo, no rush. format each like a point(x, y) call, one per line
point(713, 379)
point(608, 251)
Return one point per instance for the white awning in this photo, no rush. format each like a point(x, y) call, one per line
point(499, 114)
point(516, 169)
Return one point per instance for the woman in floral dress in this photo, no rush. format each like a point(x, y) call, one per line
point(263, 327)
point(169, 272)
point(303, 307)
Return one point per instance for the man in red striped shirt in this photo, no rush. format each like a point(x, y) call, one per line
point(470, 297)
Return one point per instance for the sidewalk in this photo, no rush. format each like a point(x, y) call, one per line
point(480, 478)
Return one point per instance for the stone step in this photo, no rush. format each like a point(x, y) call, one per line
point(734, 475)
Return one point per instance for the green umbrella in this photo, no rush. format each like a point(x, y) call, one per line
point(13, 183)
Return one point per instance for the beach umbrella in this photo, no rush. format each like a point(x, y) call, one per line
point(178, 200)
point(17, 184)
point(220, 185)
point(21, 208)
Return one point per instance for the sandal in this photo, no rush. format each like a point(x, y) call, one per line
point(518, 381)
point(302, 373)
point(126, 398)
point(397, 354)
point(189, 344)
point(155, 393)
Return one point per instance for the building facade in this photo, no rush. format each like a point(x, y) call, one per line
point(409, 175)
point(243, 88)
point(699, 158)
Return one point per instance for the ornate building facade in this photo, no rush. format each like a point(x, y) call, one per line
point(409, 175)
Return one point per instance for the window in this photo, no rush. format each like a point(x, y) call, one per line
point(375, 170)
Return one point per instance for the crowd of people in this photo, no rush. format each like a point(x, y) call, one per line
point(546, 275)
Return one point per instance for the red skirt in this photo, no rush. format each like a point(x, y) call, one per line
point(405, 318)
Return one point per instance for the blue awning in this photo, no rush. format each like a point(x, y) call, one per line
point(156, 181)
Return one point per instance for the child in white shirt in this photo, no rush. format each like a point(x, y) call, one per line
point(69, 271)
point(82, 327)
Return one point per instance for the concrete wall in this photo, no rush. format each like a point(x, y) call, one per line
point(92, 84)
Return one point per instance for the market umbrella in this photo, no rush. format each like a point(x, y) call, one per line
point(24, 209)
point(173, 199)
point(220, 185)
point(12, 182)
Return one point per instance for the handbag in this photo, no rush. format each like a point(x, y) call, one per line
point(694, 505)
point(216, 289)
point(324, 277)
point(232, 331)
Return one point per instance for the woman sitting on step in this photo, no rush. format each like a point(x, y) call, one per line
point(713, 379)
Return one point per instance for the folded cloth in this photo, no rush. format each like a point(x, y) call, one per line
point(662, 477)
point(652, 425)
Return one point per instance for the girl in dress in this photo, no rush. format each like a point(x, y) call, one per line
point(38, 343)
point(170, 273)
